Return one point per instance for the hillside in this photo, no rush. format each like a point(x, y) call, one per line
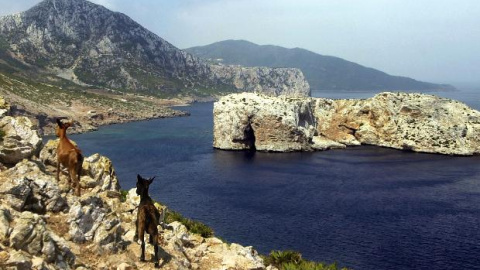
point(91, 45)
point(322, 72)
point(76, 59)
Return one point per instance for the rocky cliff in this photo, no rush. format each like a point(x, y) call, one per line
point(406, 121)
point(43, 226)
point(93, 46)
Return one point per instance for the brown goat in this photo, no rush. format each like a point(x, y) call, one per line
point(147, 218)
point(69, 156)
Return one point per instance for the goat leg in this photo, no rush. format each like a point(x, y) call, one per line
point(142, 256)
point(157, 265)
point(135, 238)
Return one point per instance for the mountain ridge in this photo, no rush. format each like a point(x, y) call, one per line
point(79, 60)
point(323, 72)
point(91, 45)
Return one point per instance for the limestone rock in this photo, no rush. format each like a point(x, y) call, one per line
point(323, 143)
point(268, 81)
point(4, 107)
point(86, 216)
point(48, 154)
point(5, 219)
point(21, 139)
point(91, 219)
point(251, 121)
point(31, 235)
point(407, 121)
point(125, 266)
point(18, 260)
point(27, 187)
point(98, 171)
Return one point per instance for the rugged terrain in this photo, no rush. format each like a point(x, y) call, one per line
point(43, 102)
point(406, 121)
point(78, 60)
point(91, 45)
point(322, 72)
point(44, 226)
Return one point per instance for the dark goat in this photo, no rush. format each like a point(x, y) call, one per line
point(69, 156)
point(147, 218)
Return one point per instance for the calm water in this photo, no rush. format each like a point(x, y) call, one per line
point(364, 207)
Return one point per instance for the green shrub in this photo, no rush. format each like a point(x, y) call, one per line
point(278, 257)
point(309, 265)
point(292, 260)
point(192, 225)
point(2, 134)
point(123, 195)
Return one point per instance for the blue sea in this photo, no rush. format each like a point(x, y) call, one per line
point(363, 207)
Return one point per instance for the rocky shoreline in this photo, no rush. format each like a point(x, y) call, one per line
point(404, 121)
point(90, 112)
point(44, 226)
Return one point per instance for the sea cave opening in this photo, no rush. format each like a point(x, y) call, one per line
point(249, 135)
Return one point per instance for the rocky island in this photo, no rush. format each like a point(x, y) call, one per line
point(405, 121)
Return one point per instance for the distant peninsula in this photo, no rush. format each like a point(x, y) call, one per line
point(322, 72)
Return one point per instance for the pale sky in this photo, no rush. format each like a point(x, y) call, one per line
point(429, 40)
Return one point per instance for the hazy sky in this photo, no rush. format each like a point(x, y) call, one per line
point(431, 40)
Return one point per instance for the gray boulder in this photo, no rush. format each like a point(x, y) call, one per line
point(27, 187)
point(20, 140)
point(31, 235)
point(98, 171)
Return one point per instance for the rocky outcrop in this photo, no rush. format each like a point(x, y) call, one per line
point(28, 187)
point(98, 172)
point(407, 121)
point(250, 121)
point(95, 230)
point(91, 45)
point(269, 81)
point(4, 107)
point(20, 139)
point(44, 226)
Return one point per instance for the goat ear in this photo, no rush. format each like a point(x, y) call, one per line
point(151, 180)
point(139, 178)
point(59, 123)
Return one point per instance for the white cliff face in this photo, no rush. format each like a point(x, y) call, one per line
point(416, 122)
point(250, 121)
point(269, 81)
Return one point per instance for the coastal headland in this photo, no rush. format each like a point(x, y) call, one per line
point(405, 121)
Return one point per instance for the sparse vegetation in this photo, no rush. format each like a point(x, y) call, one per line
point(123, 195)
point(4, 45)
point(192, 225)
point(292, 260)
